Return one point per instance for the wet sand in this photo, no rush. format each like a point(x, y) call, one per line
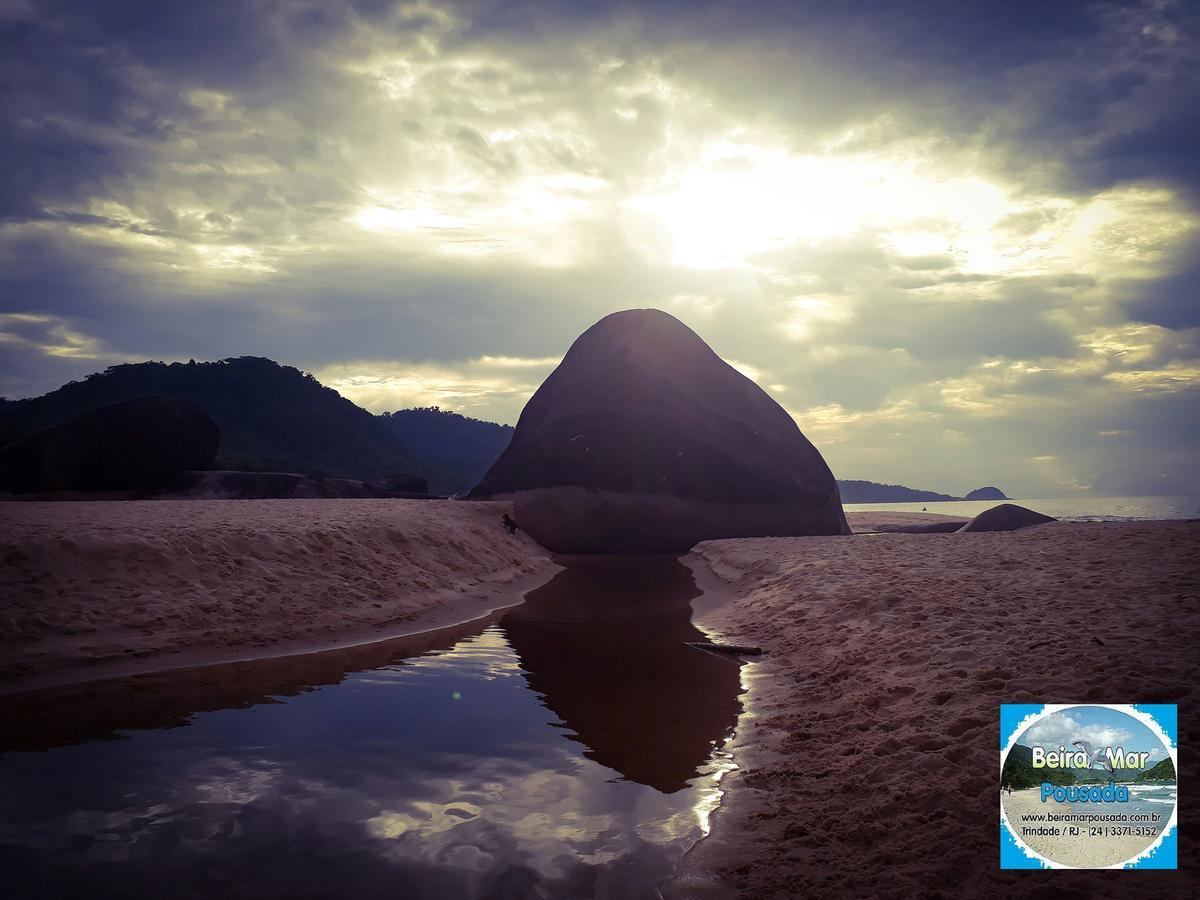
point(96, 590)
point(882, 520)
point(869, 754)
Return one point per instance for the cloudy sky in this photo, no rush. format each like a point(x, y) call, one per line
point(957, 240)
point(1099, 726)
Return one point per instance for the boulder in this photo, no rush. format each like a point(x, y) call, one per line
point(1006, 517)
point(644, 440)
point(134, 444)
point(986, 493)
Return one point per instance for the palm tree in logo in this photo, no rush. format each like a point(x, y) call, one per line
point(1093, 756)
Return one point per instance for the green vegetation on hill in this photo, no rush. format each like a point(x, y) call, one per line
point(461, 445)
point(272, 417)
point(277, 418)
point(870, 492)
point(1163, 771)
point(1018, 773)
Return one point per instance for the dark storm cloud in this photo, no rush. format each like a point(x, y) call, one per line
point(94, 91)
point(1064, 72)
point(1172, 301)
point(966, 32)
point(1164, 149)
point(88, 86)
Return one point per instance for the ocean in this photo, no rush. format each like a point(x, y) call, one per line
point(1144, 799)
point(1074, 509)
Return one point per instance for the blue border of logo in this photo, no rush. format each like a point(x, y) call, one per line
point(1164, 856)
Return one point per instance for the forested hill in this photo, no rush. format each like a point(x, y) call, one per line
point(1164, 770)
point(460, 444)
point(1018, 772)
point(870, 492)
point(277, 418)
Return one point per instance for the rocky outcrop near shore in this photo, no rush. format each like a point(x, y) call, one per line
point(644, 440)
point(1006, 517)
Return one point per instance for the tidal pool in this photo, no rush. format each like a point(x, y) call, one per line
point(570, 748)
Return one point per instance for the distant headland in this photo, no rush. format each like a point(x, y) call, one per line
point(873, 492)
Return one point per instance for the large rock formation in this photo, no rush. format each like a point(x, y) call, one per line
point(1006, 517)
point(644, 440)
point(986, 493)
point(132, 445)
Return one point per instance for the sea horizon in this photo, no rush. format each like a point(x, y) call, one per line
point(1073, 509)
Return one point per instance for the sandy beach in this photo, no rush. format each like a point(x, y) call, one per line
point(868, 760)
point(98, 589)
point(1080, 849)
point(101, 589)
point(868, 753)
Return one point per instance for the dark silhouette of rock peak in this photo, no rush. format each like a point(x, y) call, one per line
point(643, 439)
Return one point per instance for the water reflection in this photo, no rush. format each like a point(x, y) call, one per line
point(442, 776)
point(605, 643)
point(103, 710)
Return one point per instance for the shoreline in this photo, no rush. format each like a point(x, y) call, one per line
point(702, 873)
point(103, 590)
point(80, 711)
point(866, 756)
point(453, 612)
point(883, 521)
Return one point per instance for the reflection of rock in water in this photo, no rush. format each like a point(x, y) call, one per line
point(604, 644)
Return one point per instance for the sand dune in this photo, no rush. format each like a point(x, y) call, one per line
point(96, 589)
point(869, 761)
